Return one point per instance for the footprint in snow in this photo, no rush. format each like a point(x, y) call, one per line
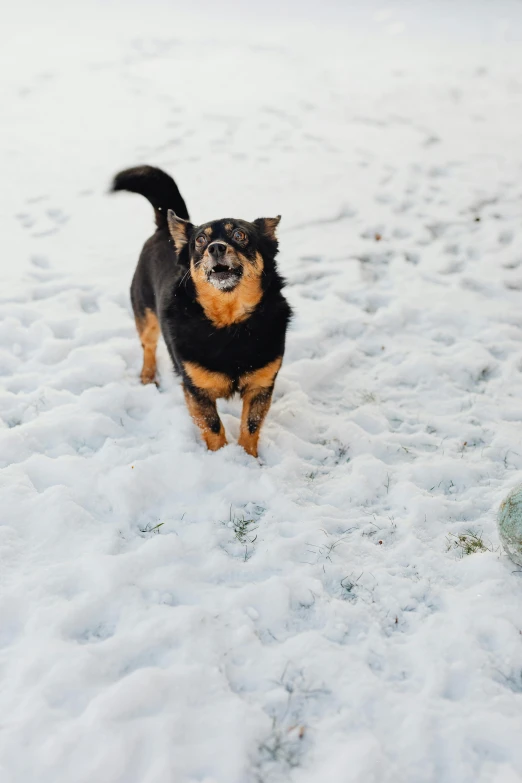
point(89, 303)
point(49, 221)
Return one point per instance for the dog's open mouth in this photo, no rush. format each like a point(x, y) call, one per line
point(224, 277)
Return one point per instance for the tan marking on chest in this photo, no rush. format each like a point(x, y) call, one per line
point(216, 384)
point(225, 308)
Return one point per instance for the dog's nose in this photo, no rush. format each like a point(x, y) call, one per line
point(217, 250)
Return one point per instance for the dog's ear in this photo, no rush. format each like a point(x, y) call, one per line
point(180, 229)
point(268, 226)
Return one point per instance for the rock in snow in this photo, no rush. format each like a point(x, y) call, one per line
point(510, 524)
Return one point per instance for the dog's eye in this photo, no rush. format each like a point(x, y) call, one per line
point(238, 236)
point(201, 241)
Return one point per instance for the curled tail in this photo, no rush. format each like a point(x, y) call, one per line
point(157, 187)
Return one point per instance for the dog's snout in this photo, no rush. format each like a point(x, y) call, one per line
point(217, 250)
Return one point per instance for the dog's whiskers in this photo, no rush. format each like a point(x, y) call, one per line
point(184, 277)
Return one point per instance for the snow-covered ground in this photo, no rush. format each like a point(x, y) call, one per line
point(169, 615)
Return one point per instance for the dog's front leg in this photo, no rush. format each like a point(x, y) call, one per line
point(256, 390)
point(256, 403)
point(203, 410)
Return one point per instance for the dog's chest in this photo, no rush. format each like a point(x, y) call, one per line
point(234, 350)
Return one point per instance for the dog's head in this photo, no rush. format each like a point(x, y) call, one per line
point(226, 253)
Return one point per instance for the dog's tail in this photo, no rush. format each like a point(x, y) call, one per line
point(157, 187)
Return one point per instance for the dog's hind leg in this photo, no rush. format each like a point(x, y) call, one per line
point(149, 332)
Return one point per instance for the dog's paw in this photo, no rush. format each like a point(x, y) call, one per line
point(249, 447)
point(147, 378)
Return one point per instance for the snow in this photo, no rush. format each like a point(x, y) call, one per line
point(173, 615)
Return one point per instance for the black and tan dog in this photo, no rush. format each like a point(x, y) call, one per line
point(215, 294)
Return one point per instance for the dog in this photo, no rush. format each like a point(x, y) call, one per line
point(213, 291)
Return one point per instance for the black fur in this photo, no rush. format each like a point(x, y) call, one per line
point(157, 187)
point(162, 283)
